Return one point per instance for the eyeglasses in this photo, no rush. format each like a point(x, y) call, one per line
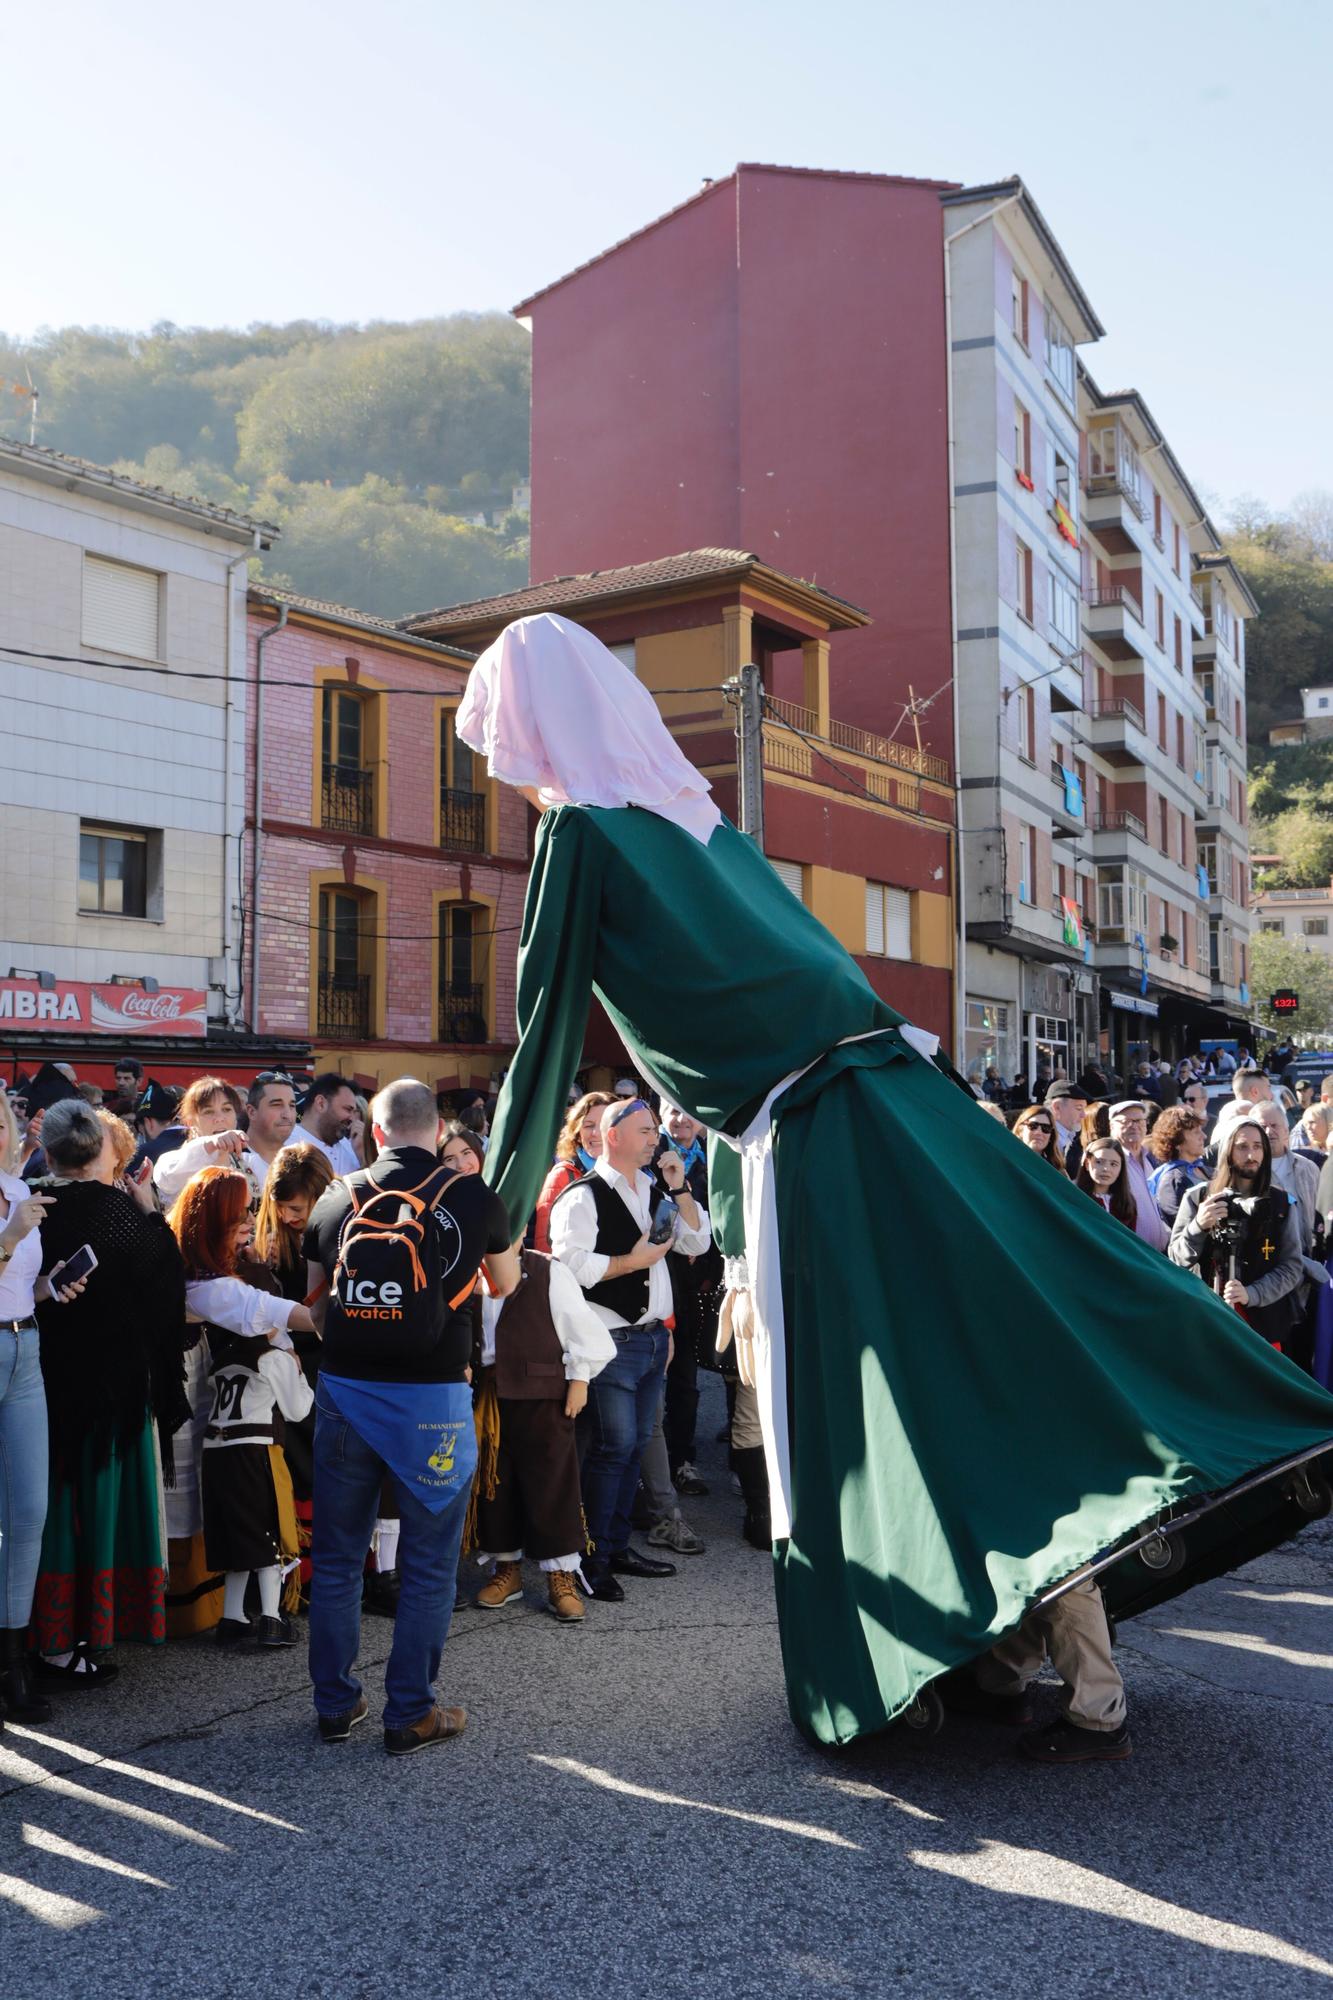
point(1033, 1126)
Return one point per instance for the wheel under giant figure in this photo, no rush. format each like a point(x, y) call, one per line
point(974, 1383)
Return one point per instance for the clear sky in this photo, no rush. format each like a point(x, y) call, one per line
point(292, 159)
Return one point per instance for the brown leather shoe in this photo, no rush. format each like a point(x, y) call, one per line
point(436, 1726)
point(562, 1596)
point(506, 1583)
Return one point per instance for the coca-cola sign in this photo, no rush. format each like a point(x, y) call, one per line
point(69, 1007)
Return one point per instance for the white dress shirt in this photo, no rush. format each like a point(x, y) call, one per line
point(19, 1273)
point(584, 1341)
point(574, 1239)
point(240, 1308)
point(341, 1155)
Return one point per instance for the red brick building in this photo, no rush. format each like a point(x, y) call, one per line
point(766, 369)
point(382, 916)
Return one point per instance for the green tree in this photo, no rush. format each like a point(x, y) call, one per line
point(1278, 963)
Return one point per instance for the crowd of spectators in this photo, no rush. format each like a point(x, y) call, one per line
point(179, 1343)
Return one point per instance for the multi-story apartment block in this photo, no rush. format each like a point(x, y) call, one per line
point(1096, 813)
point(1224, 840)
point(384, 872)
point(1302, 915)
point(913, 430)
point(122, 648)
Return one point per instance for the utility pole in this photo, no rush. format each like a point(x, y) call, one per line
point(746, 695)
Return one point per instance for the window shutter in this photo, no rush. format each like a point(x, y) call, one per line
point(789, 874)
point(874, 920)
point(120, 608)
point(626, 656)
point(897, 923)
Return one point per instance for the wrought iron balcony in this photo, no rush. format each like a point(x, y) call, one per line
point(347, 803)
point(462, 1014)
point(462, 820)
point(1119, 708)
point(344, 1007)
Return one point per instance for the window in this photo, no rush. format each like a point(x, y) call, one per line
point(1027, 864)
point(1023, 581)
point(1064, 495)
point(1122, 902)
point(1315, 927)
point(1274, 924)
point(347, 798)
point(121, 608)
point(626, 655)
point(791, 875)
point(1027, 724)
point(114, 870)
point(1201, 943)
point(1322, 701)
point(1164, 818)
point(1159, 606)
point(1200, 750)
point(1180, 741)
point(1064, 634)
point(1163, 740)
point(1239, 729)
point(346, 946)
point(1019, 310)
point(1059, 352)
point(1157, 535)
point(464, 948)
point(1208, 862)
point(888, 921)
point(1175, 547)
point(1022, 444)
point(1180, 646)
point(462, 797)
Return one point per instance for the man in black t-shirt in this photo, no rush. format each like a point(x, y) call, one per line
point(393, 1398)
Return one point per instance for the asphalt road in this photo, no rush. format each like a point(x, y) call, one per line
point(630, 1813)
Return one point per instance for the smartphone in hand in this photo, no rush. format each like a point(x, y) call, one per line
point(80, 1265)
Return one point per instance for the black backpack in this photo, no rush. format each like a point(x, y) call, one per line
point(388, 1282)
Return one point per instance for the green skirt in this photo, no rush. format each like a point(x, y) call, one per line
point(990, 1381)
point(101, 1577)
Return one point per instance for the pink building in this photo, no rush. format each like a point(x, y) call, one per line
point(382, 916)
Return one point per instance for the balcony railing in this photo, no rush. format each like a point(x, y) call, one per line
point(1111, 482)
point(1119, 822)
point(1197, 595)
point(1116, 593)
point(344, 1007)
point(861, 743)
point(462, 1015)
point(462, 819)
point(347, 803)
point(1119, 706)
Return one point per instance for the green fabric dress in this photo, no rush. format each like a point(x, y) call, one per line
point(989, 1379)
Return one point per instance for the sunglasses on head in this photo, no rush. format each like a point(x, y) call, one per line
point(272, 1076)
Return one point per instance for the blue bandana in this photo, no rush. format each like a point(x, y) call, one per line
point(422, 1430)
point(694, 1157)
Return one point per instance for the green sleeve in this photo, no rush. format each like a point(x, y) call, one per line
point(556, 957)
point(725, 1207)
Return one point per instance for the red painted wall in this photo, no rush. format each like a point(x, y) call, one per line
point(764, 369)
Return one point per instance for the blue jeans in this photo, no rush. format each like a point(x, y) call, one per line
point(622, 1408)
point(348, 1477)
point(23, 1458)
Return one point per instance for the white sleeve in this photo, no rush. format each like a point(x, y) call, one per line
point(574, 1234)
point(693, 1242)
point(291, 1392)
point(344, 1160)
point(239, 1307)
point(173, 1170)
point(585, 1341)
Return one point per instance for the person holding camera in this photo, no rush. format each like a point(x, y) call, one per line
point(613, 1230)
point(1243, 1235)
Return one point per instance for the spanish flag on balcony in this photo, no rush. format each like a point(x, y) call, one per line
point(1073, 924)
point(1064, 521)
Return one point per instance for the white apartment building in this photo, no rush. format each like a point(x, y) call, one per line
point(1101, 731)
point(122, 614)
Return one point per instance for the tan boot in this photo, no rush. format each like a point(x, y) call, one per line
point(562, 1595)
point(506, 1583)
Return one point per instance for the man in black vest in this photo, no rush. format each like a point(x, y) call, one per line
point(1239, 1221)
point(600, 1229)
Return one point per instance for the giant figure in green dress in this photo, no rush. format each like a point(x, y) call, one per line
point(973, 1379)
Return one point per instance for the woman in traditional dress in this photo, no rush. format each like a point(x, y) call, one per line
point(925, 1491)
point(112, 1369)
